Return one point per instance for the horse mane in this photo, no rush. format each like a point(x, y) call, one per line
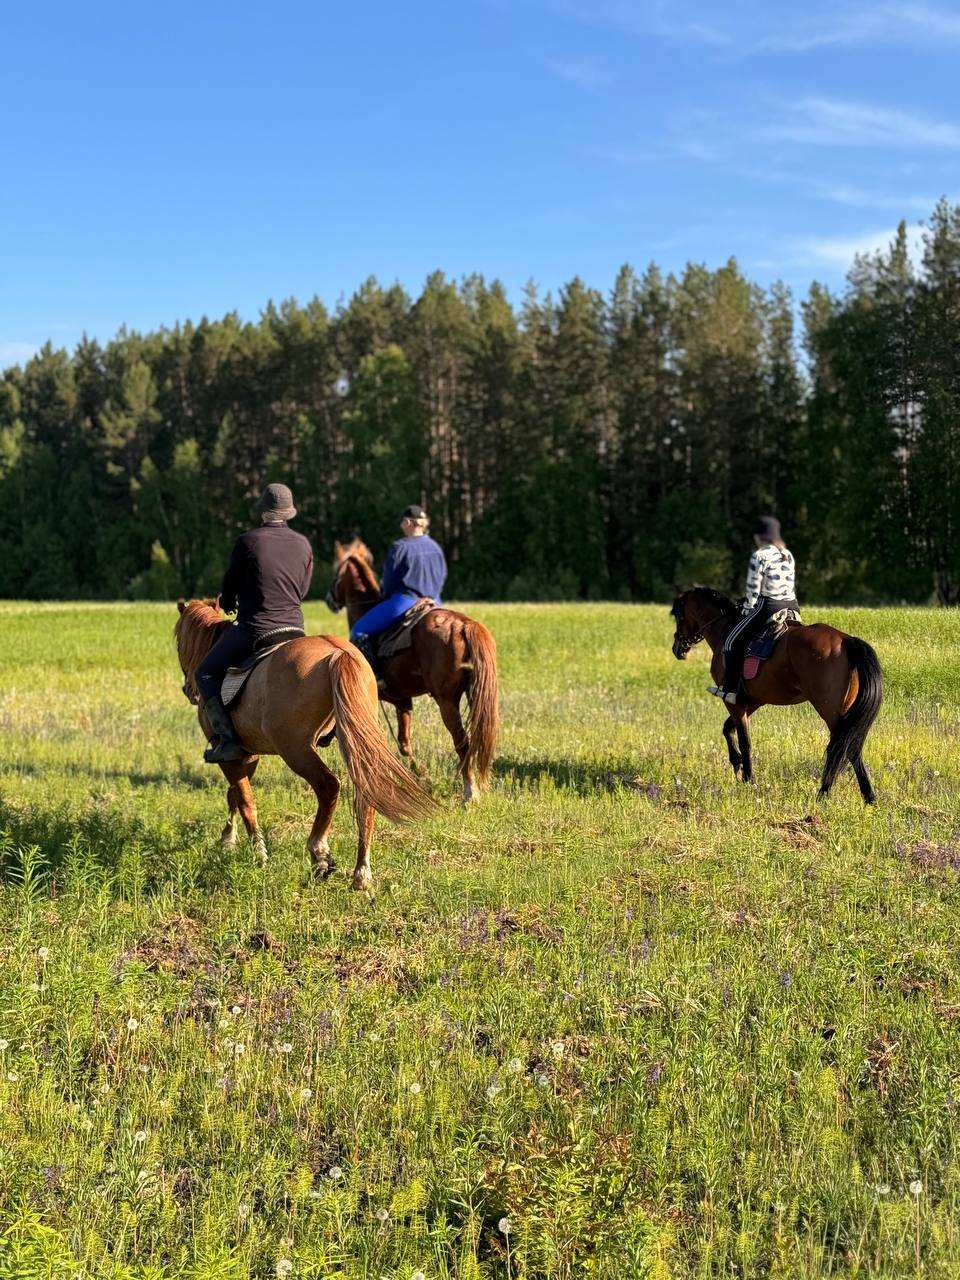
point(358, 551)
point(710, 595)
point(196, 632)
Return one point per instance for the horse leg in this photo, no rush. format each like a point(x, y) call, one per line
point(228, 836)
point(736, 759)
point(404, 715)
point(450, 714)
point(863, 780)
point(240, 798)
point(326, 787)
point(365, 816)
point(741, 717)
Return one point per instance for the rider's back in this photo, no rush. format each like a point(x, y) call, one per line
point(269, 575)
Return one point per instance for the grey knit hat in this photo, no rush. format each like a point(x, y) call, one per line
point(276, 500)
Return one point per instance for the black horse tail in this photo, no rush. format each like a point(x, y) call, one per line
point(850, 731)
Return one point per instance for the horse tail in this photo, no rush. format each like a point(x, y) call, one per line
point(850, 731)
point(378, 777)
point(484, 720)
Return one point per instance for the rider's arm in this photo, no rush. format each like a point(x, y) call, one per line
point(307, 575)
point(754, 580)
point(231, 580)
point(392, 573)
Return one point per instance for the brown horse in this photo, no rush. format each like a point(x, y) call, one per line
point(451, 655)
point(288, 699)
point(839, 674)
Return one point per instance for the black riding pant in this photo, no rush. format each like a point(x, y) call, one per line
point(750, 625)
point(233, 648)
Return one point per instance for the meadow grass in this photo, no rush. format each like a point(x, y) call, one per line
point(624, 1018)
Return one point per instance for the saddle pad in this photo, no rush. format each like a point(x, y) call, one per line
point(236, 677)
point(400, 636)
point(762, 646)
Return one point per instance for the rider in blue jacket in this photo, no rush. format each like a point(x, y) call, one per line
point(414, 567)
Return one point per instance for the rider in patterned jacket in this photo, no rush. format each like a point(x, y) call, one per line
point(771, 586)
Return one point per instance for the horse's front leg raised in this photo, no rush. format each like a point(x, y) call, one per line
point(240, 799)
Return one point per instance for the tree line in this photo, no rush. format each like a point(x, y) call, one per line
point(580, 446)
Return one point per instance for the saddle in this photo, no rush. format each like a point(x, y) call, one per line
point(762, 646)
point(399, 636)
point(237, 677)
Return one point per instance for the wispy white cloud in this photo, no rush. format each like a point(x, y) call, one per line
point(585, 72)
point(838, 252)
point(838, 123)
point(765, 28)
point(16, 353)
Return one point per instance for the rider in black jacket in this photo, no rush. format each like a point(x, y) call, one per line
point(267, 578)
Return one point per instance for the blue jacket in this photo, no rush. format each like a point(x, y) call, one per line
point(415, 566)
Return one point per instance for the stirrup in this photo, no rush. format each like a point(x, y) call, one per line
point(225, 751)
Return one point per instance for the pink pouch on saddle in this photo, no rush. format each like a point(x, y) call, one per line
point(751, 666)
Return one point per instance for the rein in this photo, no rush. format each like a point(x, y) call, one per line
point(686, 643)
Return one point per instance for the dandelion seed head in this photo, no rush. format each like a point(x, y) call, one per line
point(335, 1172)
point(4, 1044)
point(236, 1010)
point(492, 1090)
point(515, 1066)
point(382, 1214)
point(43, 953)
point(140, 1136)
point(286, 1047)
point(504, 1226)
point(916, 1186)
point(284, 1267)
point(12, 1076)
point(239, 1048)
point(132, 1024)
point(416, 1088)
point(305, 1094)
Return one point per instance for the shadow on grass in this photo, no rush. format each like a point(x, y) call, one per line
point(101, 843)
point(584, 777)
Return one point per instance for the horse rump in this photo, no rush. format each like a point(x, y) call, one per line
point(850, 731)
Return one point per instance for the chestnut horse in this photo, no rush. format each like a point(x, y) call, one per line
point(289, 697)
point(839, 674)
point(450, 656)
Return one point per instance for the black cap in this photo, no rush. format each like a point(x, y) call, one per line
point(413, 512)
point(278, 500)
point(768, 528)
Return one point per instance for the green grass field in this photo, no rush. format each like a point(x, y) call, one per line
point(624, 1018)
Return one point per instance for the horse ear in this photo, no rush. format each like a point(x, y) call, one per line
point(338, 550)
point(181, 604)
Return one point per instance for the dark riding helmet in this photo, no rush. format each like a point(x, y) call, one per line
point(413, 512)
point(768, 528)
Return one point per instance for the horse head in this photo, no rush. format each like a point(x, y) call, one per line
point(353, 576)
point(693, 612)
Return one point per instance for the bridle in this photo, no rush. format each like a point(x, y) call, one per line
point(683, 644)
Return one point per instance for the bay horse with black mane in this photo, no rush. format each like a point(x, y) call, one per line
point(839, 674)
point(450, 657)
point(301, 689)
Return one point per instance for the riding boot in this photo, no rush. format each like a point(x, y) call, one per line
point(368, 646)
point(228, 747)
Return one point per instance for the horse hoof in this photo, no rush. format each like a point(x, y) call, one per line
point(362, 881)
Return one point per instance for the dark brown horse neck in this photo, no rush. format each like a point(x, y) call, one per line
point(717, 615)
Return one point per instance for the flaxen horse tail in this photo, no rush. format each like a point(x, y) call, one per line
point(850, 731)
point(484, 719)
point(378, 777)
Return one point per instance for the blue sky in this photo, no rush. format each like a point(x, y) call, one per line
point(167, 161)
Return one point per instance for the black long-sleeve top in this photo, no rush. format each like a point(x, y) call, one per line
point(267, 578)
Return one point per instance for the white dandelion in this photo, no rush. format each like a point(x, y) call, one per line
point(132, 1024)
point(335, 1172)
point(43, 953)
point(916, 1186)
point(416, 1088)
point(504, 1226)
